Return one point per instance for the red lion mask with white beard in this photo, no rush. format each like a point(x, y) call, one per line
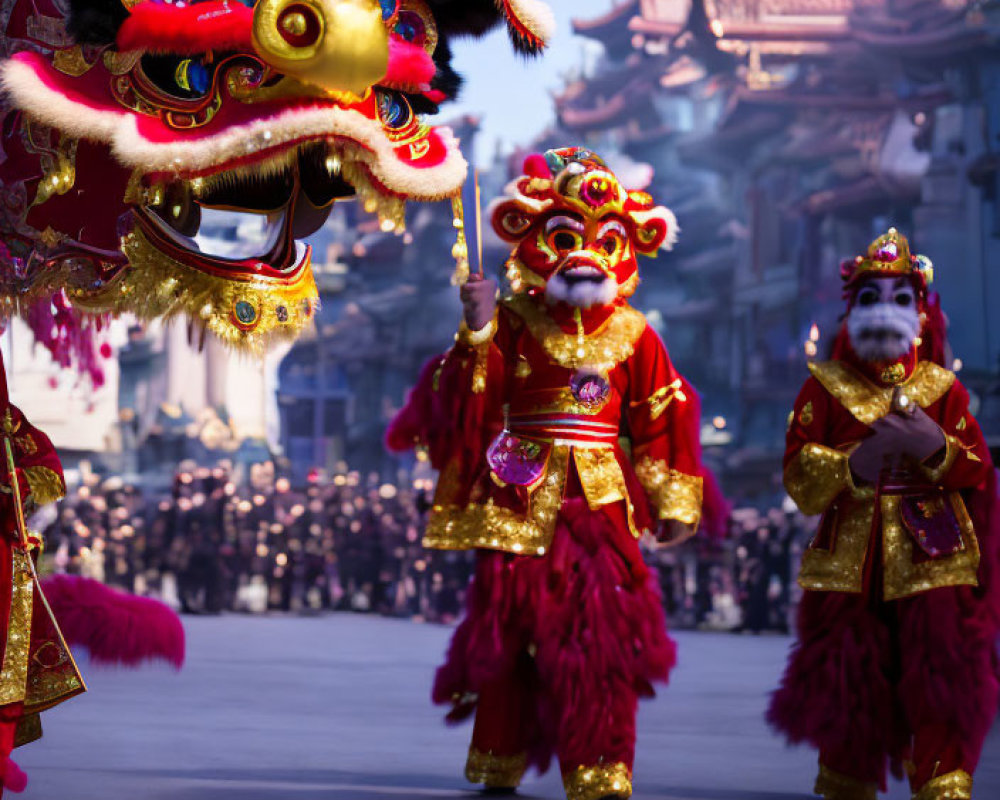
point(578, 231)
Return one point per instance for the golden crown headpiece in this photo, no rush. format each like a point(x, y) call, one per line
point(889, 255)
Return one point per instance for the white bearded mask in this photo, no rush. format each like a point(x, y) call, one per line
point(884, 320)
point(581, 283)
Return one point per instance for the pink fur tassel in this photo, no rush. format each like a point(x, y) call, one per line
point(409, 65)
point(117, 628)
point(14, 778)
point(70, 339)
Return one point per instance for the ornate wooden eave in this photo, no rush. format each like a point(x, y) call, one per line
point(858, 195)
point(614, 109)
point(611, 29)
point(946, 41)
point(790, 96)
point(750, 31)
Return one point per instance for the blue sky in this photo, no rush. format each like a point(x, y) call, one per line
point(511, 94)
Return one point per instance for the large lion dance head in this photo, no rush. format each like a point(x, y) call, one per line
point(125, 122)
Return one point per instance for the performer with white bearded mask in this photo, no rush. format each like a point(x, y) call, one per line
point(895, 662)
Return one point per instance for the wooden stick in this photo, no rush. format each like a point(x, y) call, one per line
point(479, 223)
point(15, 485)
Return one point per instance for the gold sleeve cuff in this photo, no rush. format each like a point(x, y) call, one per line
point(46, 485)
point(673, 494)
point(471, 338)
point(952, 448)
point(816, 476)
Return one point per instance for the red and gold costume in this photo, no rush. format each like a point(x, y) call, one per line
point(526, 419)
point(37, 669)
point(895, 659)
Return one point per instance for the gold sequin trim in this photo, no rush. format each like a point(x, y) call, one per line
point(597, 782)
point(955, 785)
point(894, 373)
point(868, 402)
point(46, 485)
point(661, 399)
point(50, 686)
point(479, 368)
point(563, 402)
point(155, 285)
point(601, 475)
point(29, 729)
point(493, 771)
point(494, 527)
point(71, 61)
point(842, 569)
point(601, 350)
point(953, 447)
point(472, 338)
point(674, 494)
point(832, 785)
point(14, 673)
point(815, 477)
point(26, 444)
point(903, 577)
point(480, 342)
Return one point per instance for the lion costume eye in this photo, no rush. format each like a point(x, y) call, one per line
point(611, 244)
point(410, 27)
point(183, 78)
point(563, 234)
point(564, 240)
point(611, 238)
point(414, 22)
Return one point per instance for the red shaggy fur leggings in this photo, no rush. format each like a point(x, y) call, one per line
point(556, 650)
point(873, 683)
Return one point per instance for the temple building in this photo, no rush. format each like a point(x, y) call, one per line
point(786, 134)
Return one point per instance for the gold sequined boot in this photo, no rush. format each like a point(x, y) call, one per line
point(955, 785)
point(600, 782)
point(497, 774)
point(832, 785)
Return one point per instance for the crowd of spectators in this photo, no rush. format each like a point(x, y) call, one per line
point(220, 541)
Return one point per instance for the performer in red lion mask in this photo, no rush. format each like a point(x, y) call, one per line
point(523, 417)
point(896, 661)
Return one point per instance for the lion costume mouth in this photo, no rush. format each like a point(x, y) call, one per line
point(273, 110)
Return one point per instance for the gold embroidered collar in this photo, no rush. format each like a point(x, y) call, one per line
point(868, 402)
point(601, 350)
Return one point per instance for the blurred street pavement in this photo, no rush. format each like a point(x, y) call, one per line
point(336, 707)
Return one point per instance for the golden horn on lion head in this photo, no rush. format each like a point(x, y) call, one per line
point(337, 45)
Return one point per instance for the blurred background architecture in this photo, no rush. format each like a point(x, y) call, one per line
point(785, 135)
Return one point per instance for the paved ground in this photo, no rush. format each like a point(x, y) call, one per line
point(336, 708)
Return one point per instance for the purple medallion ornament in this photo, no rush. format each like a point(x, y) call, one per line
point(590, 389)
point(517, 461)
